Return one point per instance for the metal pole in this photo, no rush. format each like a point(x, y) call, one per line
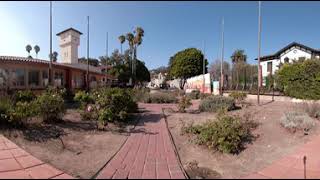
point(222, 54)
point(88, 56)
point(259, 48)
point(204, 65)
point(50, 55)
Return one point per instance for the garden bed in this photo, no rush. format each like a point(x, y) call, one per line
point(80, 151)
point(272, 142)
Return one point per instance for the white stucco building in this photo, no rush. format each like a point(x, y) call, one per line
point(294, 51)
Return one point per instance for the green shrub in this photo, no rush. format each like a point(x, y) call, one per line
point(160, 97)
point(5, 107)
point(294, 120)
point(83, 97)
point(139, 94)
point(184, 103)
point(228, 134)
point(238, 96)
point(205, 95)
point(22, 112)
point(89, 113)
point(312, 109)
point(194, 94)
point(300, 79)
point(215, 103)
point(115, 103)
point(24, 96)
point(51, 106)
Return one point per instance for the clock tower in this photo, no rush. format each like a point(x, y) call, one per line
point(69, 42)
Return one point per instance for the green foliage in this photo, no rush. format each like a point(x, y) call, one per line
point(294, 120)
point(215, 103)
point(51, 106)
point(161, 97)
point(312, 109)
point(238, 96)
point(184, 103)
point(185, 64)
point(139, 94)
point(300, 79)
point(24, 96)
point(109, 105)
point(195, 94)
point(83, 97)
point(22, 112)
point(228, 134)
point(5, 108)
point(205, 95)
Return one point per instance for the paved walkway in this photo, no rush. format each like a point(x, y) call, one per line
point(16, 163)
point(291, 166)
point(148, 151)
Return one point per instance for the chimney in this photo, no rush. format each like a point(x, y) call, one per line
point(69, 42)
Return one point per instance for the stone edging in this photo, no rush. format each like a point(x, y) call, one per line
point(174, 145)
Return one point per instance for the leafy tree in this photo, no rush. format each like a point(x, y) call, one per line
point(55, 56)
point(92, 61)
point(143, 74)
point(238, 56)
point(185, 64)
point(37, 50)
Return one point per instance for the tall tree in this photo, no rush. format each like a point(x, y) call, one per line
point(122, 39)
point(92, 61)
point(28, 49)
point(185, 64)
point(36, 49)
point(54, 56)
point(215, 69)
point(238, 56)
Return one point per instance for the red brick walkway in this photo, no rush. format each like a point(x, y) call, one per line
point(148, 151)
point(16, 163)
point(291, 166)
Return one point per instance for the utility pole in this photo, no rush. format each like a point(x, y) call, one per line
point(107, 53)
point(222, 54)
point(50, 54)
point(204, 65)
point(259, 48)
point(87, 78)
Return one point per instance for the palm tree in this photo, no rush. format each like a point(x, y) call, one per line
point(122, 39)
point(36, 49)
point(130, 40)
point(139, 33)
point(55, 56)
point(28, 49)
point(238, 56)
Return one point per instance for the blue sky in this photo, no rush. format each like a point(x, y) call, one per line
point(169, 26)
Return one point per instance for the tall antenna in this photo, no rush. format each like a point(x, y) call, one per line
point(107, 54)
point(259, 48)
point(88, 55)
point(50, 54)
point(222, 56)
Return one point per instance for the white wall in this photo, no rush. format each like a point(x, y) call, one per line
point(292, 54)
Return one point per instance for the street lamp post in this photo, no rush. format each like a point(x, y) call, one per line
point(50, 55)
point(259, 48)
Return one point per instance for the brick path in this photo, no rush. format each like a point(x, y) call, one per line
point(148, 151)
point(291, 166)
point(16, 163)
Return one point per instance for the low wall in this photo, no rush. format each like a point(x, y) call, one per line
point(277, 98)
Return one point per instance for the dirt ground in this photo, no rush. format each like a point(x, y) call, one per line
point(272, 143)
point(80, 151)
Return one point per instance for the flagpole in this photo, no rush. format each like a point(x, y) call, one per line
point(204, 65)
point(88, 54)
point(222, 56)
point(50, 55)
point(259, 48)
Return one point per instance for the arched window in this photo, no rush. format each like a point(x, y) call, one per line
point(286, 60)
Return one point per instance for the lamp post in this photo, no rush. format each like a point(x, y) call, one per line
point(259, 48)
